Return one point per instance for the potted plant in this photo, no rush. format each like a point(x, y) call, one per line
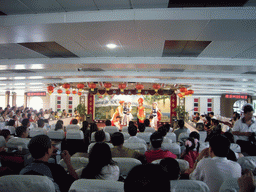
point(82, 111)
point(181, 113)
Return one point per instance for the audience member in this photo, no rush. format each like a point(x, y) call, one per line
point(6, 134)
point(147, 178)
point(99, 138)
point(215, 170)
point(156, 140)
point(25, 123)
point(101, 165)
point(117, 139)
point(181, 129)
point(132, 130)
point(172, 168)
point(41, 150)
point(163, 132)
point(74, 125)
point(21, 139)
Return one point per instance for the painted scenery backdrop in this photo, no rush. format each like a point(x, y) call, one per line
point(105, 105)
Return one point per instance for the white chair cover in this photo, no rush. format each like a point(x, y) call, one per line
point(149, 129)
point(203, 145)
point(173, 147)
point(77, 162)
point(125, 129)
point(92, 144)
point(145, 136)
point(72, 127)
point(74, 134)
point(59, 134)
point(203, 135)
point(247, 162)
point(189, 186)
point(230, 185)
point(107, 139)
point(183, 136)
point(111, 129)
point(37, 131)
point(53, 126)
point(184, 165)
point(2, 125)
point(11, 129)
point(96, 185)
point(126, 135)
point(235, 147)
point(136, 146)
point(17, 141)
point(2, 141)
point(25, 183)
point(172, 136)
point(125, 164)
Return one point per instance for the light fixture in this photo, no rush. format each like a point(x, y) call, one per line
point(35, 83)
point(19, 77)
point(36, 77)
point(111, 46)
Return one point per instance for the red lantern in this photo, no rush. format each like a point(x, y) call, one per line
point(156, 87)
point(59, 91)
point(80, 86)
point(191, 92)
point(107, 86)
point(66, 86)
point(139, 87)
point(68, 92)
point(180, 95)
point(92, 86)
point(183, 90)
point(50, 89)
point(187, 93)
point(79, 93)
point(122, 86)
point(74, 92)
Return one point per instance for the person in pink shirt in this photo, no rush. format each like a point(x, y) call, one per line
point(156, 140)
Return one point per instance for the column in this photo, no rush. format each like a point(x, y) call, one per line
point(25, 100)
point(14, 98)
point(7, 98)
point(173, 106)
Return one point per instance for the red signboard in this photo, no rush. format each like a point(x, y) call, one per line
point(36, 94)
point(230, 96)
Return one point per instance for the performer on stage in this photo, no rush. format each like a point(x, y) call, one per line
point(118, 113)
point(116, 122)
point(156, 116)
point(141, 111)
point(129, 113)
point(125, 114)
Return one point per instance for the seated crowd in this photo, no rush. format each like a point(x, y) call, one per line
point(211, 162)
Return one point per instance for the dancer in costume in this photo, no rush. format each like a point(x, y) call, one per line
point(125, 115)
point(129, 113)
point(116, 122)
point(118, 112)
point(156, 113)
point(141, 111)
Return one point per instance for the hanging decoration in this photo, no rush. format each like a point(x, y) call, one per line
point(80, 86)
point(156, 87)
point(59, 91)
point(191, 92)
point(183, 90)
point(66, 86)
point(68, 92)
point(74, 92)
point(107, 86)
point(50, 89)
point(92, 86)
point(139, 87)
point(79, 93)
point(122, 86)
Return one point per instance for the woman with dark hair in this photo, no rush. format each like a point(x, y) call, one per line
point(190, 155)
point(101, 165)
point(215, 129)
point(87, 135)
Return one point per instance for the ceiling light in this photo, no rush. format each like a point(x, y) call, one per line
point(19, 67)
point(3, 67)
point(3, 78)
point(35, 83)
point(36, 77)
point(36, 66)
point(19, 77)
point(111, 46)
point(19, 84)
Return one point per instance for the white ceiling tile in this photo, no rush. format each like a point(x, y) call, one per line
point(11, 7)
point(112, 4)
point(45, 6)
point(137, 4)
point(78, 5)
point(250, 53)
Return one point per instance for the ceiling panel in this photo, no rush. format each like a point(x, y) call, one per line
point(11, 7)
point(138, 4)
point(78, 5)
point(112, 4)
point(250, 53)
point(45, 6)
point(200, 3)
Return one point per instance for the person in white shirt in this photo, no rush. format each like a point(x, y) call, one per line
point(215, 170)
point(21, 139)
point(245, 129)
point(100, 136)
point(73, 125)
point(132, 130)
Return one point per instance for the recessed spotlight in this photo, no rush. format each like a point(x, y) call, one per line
point(111, 46)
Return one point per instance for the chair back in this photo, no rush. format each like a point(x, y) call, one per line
point(126, 135)
point(184, 165)
point(230, 185)
point(183, 136)
point(72, 127)
point(126, 164)
point(52, 134)
point(24, 183)
point(189, 186)
point(172, 136)
point(136, 146)
point(150, 130)
point(125, 129)
point(235, 147)
point(77, 162)
point(2, 125)
point(37, 131)
point(17, 141)
point(74, 134)
point(248, 162)
point(2, 141)
point(96, 185)
point(203, 135)
point(107, 137)
point(145, 136)
point(173, 147)
point(92, 144)
point(11, 129)
point(203, 145)
point(111, 129)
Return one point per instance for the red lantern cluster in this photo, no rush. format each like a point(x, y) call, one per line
point(80, 86)
point(79, 93)
point(139, 87)
point(74, 92)
point(59, 91)
point(50, 89)
point(107, 86)
point(156, 87)
point(68, 92)
point(122, 86)
point(92, 86)
point(66, 86)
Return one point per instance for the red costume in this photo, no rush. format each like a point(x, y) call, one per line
point(158, 154)
point(141, 111)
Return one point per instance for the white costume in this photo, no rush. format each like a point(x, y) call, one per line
point(154, 121)
point(125, 115)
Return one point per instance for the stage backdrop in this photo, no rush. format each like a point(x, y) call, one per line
point(105, 105)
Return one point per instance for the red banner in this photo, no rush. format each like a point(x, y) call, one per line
point(90, 105)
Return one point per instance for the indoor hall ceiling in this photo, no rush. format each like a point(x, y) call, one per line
point(212, 49)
